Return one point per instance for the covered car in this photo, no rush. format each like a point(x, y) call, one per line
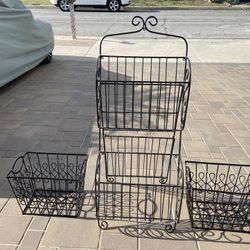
point(25, 41)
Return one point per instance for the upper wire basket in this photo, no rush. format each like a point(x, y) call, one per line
point(218, 195)
point(142, 92)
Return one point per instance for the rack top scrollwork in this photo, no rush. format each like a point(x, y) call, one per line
point(145, 25)
point(138, 20)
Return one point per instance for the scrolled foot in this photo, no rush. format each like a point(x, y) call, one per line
point(170, 228)
point(103, 224)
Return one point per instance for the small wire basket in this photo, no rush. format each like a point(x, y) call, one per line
point(49, 183)
point(218, 195)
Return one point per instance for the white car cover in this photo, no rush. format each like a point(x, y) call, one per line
point(24, 40)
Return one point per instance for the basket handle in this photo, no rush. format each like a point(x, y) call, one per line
point(144, 25)
point(13, 170)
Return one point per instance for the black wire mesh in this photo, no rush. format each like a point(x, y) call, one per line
point(143, 93)
point(136, 155)
point(138, 197)
point(218, 195)
point(142, 104)
point(49, 183)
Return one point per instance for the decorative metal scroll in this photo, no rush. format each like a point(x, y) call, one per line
point(145, 25)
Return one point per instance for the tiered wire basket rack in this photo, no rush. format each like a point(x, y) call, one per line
point(141, 111)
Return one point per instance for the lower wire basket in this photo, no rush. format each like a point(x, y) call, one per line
point(49, 183)
point(218, 196)
point(137, 199)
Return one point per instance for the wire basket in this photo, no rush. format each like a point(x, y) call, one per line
point(49, 183)
point(147, 93)
point(218, 195)
point(138, 198)
point(134, 155)
point(142, 93)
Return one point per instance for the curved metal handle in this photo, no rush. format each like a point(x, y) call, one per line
point(144, 25)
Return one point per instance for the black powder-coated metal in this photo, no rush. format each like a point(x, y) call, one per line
point(218, 195)
point(49, 184)
point(142, 104)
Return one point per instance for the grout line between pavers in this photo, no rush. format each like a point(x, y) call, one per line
point(25, 232)
point(4, 205)
point(197, 242)
point(238, 142)
point(38, 245)
point(100, 238)
point(44, 231)
point(138, 245)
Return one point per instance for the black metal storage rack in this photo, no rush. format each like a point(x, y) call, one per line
point(141, 111)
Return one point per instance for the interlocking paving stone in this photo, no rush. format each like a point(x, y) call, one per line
point(31, 240)
point(51, 146)
point(234, 153)
point(39, 223)
point(149, 244)
point(74, 125)
point(118, 241)
point(8, 247)
point(3, 202)
point(195, 146)
point(245, 143)
point(12, 228)
point(5, 166)
point(11, 208)
point(67, 232)
point(15, 143)
point(220, 140)
point(223, 246)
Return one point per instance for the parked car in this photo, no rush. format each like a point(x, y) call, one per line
point(112, 5)
point(25, 41)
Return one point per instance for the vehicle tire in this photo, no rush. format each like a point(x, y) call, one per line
point(113, 5)
point(63, 5)
point(47, 59)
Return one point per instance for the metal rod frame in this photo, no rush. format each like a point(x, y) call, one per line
point(142, 104)
point(49, 184)
point(218, 195)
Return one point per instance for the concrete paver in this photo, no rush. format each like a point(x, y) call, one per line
point(11, 208)
point(8, 247)
point(74, 233)
point(3, 202)
point(12, 228)
point(118, 240)
point(31, 240)
point(149, 244)
point(39, 223)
